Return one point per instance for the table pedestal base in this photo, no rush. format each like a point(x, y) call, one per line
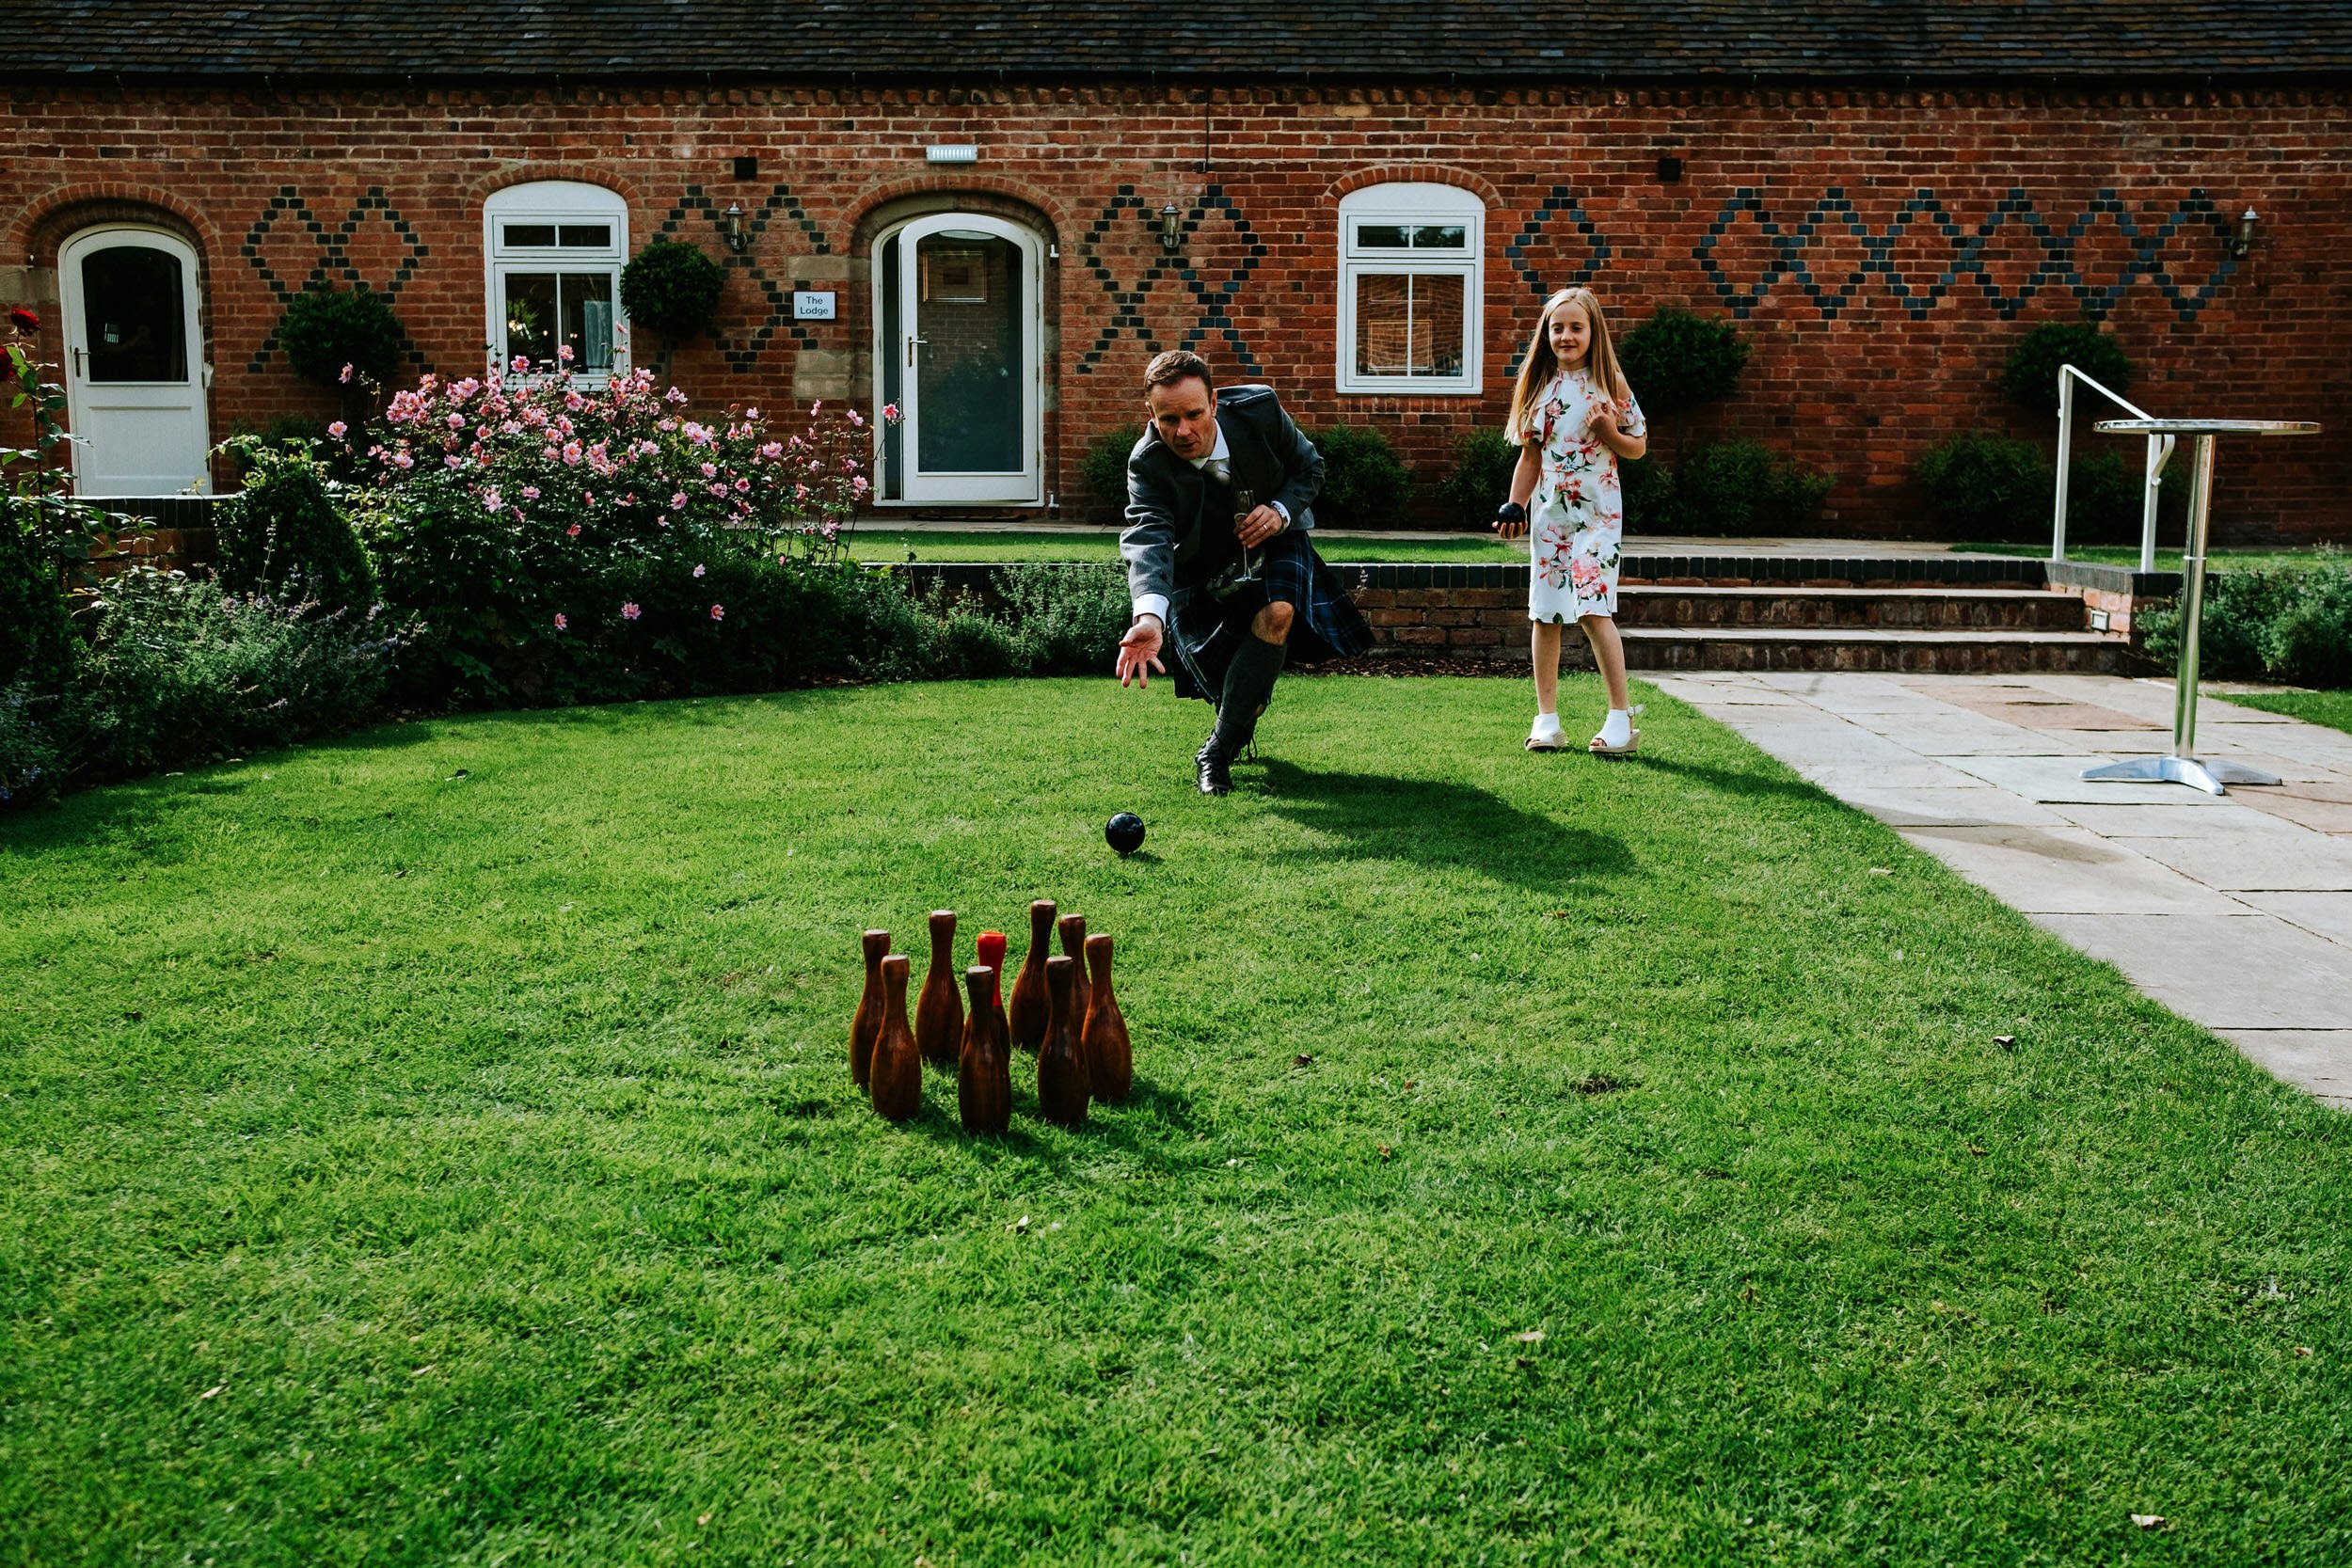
point(2198, 774)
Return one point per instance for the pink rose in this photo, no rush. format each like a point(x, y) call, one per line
point(338, 430)
point(677, 501)
point(629, 611)
point(572, 532)
point(346, 375)
point(561, 624)
point(718, 613)
point(699, 570)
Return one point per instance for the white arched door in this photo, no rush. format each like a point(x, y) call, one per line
point(134, 371)
point(958, 344)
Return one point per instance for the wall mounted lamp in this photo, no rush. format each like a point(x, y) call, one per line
point(2245, 241)
point(737, 240)
point(1169, 237)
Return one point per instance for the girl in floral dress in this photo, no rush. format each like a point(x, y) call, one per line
point(1572, 418)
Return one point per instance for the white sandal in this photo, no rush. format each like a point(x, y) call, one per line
point(1601, 748)
point(1542, 739)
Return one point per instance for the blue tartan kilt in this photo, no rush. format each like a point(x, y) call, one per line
point(1207, 630)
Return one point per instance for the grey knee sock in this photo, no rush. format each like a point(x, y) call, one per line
point(1248, 682)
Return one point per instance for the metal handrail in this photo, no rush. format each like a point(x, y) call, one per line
point(2159, 452)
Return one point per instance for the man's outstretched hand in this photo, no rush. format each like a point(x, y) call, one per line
point(1139, 652)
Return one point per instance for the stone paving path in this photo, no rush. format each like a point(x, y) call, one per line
point(2235, 912)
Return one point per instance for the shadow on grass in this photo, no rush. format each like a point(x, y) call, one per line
point(1153, 1123)
point(1439, 822)
point(1738, 782)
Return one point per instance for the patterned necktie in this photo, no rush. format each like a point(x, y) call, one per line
point(1221, 469)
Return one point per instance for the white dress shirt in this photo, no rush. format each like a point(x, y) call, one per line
point(1157, 604)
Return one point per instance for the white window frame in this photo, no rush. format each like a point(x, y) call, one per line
point(1414, 202)
point(556, 201)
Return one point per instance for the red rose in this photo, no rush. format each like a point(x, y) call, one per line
point(24, 319)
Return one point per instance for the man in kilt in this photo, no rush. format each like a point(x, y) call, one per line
point(1230, 590)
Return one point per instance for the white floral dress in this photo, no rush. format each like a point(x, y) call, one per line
point(1577, 513)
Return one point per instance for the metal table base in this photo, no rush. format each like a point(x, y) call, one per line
point(2183, 766)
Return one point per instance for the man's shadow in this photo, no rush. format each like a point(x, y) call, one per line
point(1438, 823)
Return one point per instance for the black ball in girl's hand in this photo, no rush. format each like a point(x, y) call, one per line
point(1124, 833)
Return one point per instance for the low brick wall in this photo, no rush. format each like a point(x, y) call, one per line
point(1479, 611)
point(2119, 591)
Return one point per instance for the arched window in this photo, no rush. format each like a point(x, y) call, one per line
point(1411, 255)
point(555, 249)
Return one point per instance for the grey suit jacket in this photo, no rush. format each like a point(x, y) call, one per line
point(1168, 545)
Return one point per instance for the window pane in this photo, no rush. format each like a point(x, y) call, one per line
point(1383, 307)
point(572, 308)
point(1410, 324)
point(1384, 236)
point(1441, 236)
point(596, 235)
point(531, 316)
point(136, 322)
point(530, 233)
point(588, 319)
point(1438, 317)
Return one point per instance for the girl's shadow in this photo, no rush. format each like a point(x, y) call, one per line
point(1440, 823)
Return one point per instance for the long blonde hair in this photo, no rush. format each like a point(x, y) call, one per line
point(1539, 364)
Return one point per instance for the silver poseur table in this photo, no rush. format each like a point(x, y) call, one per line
point(2183, 766)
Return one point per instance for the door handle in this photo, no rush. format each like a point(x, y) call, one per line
point(911, 340)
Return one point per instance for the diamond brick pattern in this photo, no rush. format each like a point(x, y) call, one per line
point(333, 266)
point(1212, 296)
point(2195, 215)
point(741, 348)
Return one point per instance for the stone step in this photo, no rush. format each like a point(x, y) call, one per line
point(1974, 651)
point(1914, 608)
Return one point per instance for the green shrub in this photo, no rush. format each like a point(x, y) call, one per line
point(284, 535)
point(673, 292)
point(1068, 618)
point(1742, 486)
point(1365, 484)
point(2310, 641)
point(2029, 379)
point(327, 329)
point(34, 736)
point(1481, 480)
point(179, 671)
point(1651, 505)
point(2272, 622)
point(971, 645)
point(1104, 469)
point(37, 642)
point(1677, 360)
point(2102, 498)
point(1981, 485)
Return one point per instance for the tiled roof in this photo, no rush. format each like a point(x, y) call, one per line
point(1468, 42)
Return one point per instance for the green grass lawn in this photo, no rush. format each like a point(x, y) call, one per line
point(2332, 708)
point(2167, 559)
point(437, 1148)
point(984, 544)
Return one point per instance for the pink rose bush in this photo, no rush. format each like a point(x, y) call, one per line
point(504, 506)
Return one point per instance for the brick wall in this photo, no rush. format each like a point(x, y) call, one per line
point(1884, 249)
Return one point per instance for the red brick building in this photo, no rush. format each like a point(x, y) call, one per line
point(993, 215)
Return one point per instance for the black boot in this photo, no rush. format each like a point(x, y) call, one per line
point(1215, 767)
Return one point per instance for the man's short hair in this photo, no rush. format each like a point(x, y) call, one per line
point(1177, 364)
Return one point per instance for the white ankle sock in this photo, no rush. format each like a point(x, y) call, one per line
point(1618, 728)
point(1548, 721)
